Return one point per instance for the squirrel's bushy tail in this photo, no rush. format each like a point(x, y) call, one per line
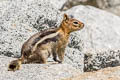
point(15, 65)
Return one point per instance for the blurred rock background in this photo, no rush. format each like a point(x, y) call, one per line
point(112, 6)
point(93, 48)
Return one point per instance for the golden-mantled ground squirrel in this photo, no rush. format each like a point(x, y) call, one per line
point(42, 44)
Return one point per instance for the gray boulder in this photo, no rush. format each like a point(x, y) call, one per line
point(50, 71)
point(101, 59)
point(20, 19)
point(99, 36)
point(75, 58)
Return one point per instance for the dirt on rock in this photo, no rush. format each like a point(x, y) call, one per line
point(111, 73)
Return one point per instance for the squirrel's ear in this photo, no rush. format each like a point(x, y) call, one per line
point(65, 17)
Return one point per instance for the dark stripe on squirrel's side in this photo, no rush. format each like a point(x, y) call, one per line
point(53, 39)
point(44, 33)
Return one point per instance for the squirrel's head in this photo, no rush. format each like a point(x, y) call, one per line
point(71, 24)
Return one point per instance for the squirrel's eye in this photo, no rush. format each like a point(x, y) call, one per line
point(75, 22)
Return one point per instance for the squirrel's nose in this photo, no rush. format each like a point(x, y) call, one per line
point(82, 25)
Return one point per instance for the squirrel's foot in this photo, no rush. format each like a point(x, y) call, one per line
point(56, 60)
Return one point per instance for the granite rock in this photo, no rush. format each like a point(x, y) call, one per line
point(49, 71)
point(99, 40)
point(19, 19)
